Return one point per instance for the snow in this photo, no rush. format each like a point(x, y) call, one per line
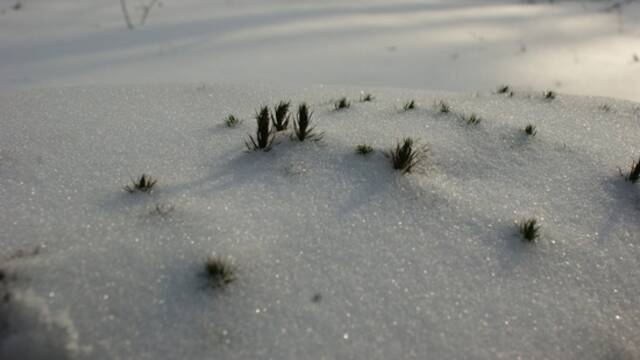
point(428, 264)
point(338, 256)
point(573, 47)
point(33, 333)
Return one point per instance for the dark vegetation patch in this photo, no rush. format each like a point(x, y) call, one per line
point(529, 229)
point(281, 116)
point(302, 129)
point(406, 155)
point(219, 271)
point(231, 121)
point(341, 104)
point(409, 105)
point(143, 184)
point(364, 149)
point(264, 135)
point(530, 130)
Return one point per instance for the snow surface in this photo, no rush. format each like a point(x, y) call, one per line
point(428, 265)
point(456, 45)
point(338, 256)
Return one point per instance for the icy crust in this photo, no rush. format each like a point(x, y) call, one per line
point(338, 256)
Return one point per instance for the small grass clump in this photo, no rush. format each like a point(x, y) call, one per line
point(264, 135)
point(302, 129)
point(443, 107)
point(366, 98)
point(364, 149)
point(472, 119)
point(405, 156)
point(281, 117)
point(549, 95)
point(143, 184)
point(231, 121)
point(634, 172)
point(219, 271)
point(530, 130)
point(409, 105)
point(605, 107)
point(529, 229)
point(503, 89)
point(341, 104)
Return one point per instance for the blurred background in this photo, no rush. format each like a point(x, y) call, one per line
point(576, 47)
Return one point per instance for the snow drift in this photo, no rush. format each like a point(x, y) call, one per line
point(338, 255)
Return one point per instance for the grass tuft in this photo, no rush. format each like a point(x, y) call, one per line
point(409, 105)
point(472, 119)
point(366, 98)
point(363, 149)
point(605, 107)
point(405, 156)
point(549, 95)
point(443, 107)
point(302, 129)
point(341, 104)
point(143, 184)
point(634, 172)
point(529, 229)
point(503, 89)
point(231, 121)
point(219, 271)
point(281, 117)
point(531, 130)
point(264, 135)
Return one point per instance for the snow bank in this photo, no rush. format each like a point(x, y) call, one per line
point(425, 265)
